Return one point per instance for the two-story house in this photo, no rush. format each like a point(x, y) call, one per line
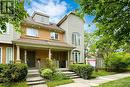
point(40, 39)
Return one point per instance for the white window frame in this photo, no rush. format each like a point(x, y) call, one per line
point(32, 30)
point(76, 53)
point(7, 29)
point(11, 57)
point(54, 37)
point(76, 38)
point(1, 55)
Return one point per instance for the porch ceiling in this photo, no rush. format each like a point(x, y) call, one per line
point(25, 42)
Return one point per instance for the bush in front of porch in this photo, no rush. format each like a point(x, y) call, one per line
point(52, 76)
point(13, 72)
point(83, 70)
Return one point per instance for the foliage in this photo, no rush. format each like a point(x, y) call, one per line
point(47, 73)
point(57, 83)
point(111, 16)
point(83, 70)
point(14, 84)
point(89, 42)
point(13, 72)
point(125, 82)
point(49, 63)
point(59, 76)
point(118, 61)
point(16, 18)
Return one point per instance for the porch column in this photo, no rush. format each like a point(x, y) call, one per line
point(25, 56)
point(18, 55)
point(49, 54)
point(68, 62)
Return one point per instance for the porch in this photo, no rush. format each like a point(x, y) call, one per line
point(35, 55)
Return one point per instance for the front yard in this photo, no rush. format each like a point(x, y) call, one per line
point(125, 82)
point(102, 73)
point(14, 84)
point(57, 83)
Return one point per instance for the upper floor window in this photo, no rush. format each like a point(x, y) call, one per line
point(54, 35)
point(32, 32)
point(5, 31)
point(76, 38)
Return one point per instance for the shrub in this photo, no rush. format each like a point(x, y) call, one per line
point(2, 68)
point(47, 74)
point(13, 72)
point(59, 76)
point(49, 63)
point(118, 61)
point(83, 70)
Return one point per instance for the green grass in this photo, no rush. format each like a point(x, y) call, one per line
point(125, 82)
point(15, 84)
point(102, 73)
point(56, 83)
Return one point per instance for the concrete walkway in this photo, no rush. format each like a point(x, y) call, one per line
point(95, 82)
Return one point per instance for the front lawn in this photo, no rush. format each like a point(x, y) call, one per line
point(125, 82)
point(61, 82)
point(14, 84)
point(102, 73)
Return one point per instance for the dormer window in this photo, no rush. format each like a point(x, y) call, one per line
point(41, 18)
point(54, 35)
point(32, 32)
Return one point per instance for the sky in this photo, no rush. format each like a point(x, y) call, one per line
point(57, 9)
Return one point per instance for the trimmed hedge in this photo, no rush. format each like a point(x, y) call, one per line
point(13, 72)
point(83, 70)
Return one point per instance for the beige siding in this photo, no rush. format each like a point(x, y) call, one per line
point(10, 35)
point(74, 24)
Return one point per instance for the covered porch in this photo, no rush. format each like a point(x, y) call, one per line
point(35, 55)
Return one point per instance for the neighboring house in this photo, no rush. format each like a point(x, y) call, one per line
point(40, 39)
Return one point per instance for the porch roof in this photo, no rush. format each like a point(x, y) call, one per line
point(42, 43)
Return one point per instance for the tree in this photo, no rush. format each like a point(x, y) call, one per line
point(16, 18)
point(113, 16)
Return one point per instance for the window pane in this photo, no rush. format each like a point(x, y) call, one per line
point(32, 32)
point(9, 54)
point(76, 38)
point(54, 35)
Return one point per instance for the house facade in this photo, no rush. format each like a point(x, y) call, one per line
point(39, 40)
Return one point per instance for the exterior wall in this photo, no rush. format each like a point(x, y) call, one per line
point(10, 35)
point(74, 24)
point(42, 55)
point(42, 34)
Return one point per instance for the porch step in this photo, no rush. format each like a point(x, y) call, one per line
point(34, 78)
point(36, 83)
point(70, 74)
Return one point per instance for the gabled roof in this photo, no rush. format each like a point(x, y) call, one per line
point(65, 17)
point(51, 26)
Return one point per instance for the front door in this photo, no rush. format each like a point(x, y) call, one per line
point(31, 59)
point(62, 60)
